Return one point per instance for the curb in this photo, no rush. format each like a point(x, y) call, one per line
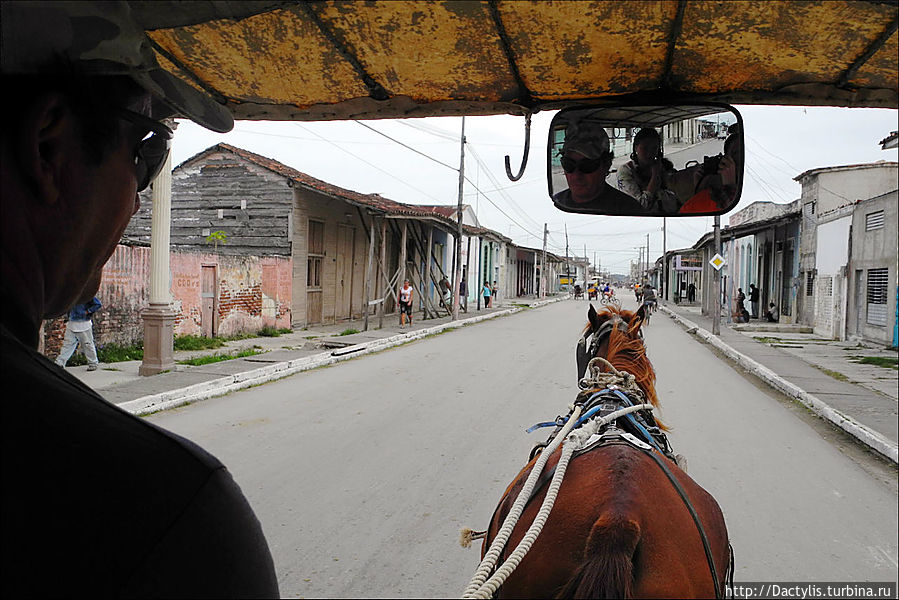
point(869, 437)
point(223, 385)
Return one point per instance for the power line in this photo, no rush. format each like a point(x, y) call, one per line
point(407, 146)
point(371, 165)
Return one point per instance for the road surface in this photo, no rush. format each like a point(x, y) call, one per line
point(363, 473)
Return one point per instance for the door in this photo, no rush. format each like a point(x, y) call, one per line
point(208, 301)
point(346, 238)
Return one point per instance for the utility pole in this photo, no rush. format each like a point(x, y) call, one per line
point(457, 276)
point(664, 259)
point(647, 256)
point(567, 261)
point(716, 282)
point(544, 276)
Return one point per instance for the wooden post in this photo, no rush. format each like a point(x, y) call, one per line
point(371, 258)
point(383, 266)
point(403, 243)
point(430, 260)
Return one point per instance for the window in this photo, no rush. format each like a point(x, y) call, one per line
point(809, 283)
point(877, 297)
point(316, 249)
point(874, 221)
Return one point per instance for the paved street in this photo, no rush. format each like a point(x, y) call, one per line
point(362, 474)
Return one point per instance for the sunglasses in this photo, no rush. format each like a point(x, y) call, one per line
point(152, 150)
point(585, 165)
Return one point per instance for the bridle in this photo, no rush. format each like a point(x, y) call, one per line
point(584, 352)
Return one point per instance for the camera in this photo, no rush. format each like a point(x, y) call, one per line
point(710, 164)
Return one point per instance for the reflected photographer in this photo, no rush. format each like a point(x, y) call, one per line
point(715, 181)
point(645, 176)
point(586, 158)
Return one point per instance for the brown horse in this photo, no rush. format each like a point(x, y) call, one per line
point(620, 527)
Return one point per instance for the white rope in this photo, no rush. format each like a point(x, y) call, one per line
point(492, 555)
point(479, 588)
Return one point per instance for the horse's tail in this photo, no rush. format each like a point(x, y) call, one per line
point(608, 569)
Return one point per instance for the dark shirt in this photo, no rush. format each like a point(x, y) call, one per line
point(98, 502)
point(609, 202)
point(754, 295)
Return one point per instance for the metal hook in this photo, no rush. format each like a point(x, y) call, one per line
point(527, 148)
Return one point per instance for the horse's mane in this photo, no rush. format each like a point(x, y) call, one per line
point(627, 352)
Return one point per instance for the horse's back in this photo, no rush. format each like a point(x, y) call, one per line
point(618, 528)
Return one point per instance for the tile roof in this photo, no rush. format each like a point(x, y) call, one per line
point(372, 201)
point(443, 213)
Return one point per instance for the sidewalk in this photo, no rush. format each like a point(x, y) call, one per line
point(285, 355)
point(861, 399)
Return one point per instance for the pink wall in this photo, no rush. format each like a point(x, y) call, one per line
point(251, 292)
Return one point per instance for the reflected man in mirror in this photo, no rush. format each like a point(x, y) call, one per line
point(645, 176)
point(716, 179)
point(586, 160)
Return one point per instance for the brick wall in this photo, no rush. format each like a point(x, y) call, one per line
point(251, 292)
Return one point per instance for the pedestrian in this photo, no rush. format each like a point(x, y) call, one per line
point(463, 295)
point(691, 293)
point(754, 300)
point(79, 330)
point(741, 302)
point(406, 294)
point(494, 295)
point(486, 293)
point(111, 504)
point(772, 314)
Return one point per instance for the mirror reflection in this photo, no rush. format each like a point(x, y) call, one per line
point(646, 160)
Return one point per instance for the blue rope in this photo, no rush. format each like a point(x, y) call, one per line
point(589, 414)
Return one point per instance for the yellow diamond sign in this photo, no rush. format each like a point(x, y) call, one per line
point(717, 262)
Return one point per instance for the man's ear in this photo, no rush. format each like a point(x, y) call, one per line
point(47, 131)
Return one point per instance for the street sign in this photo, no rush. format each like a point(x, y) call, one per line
point(717, 262)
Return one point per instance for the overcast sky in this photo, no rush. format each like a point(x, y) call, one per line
point(781, 143)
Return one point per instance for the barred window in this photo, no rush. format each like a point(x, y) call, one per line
point(877, 297)
point(809, 283)
point(874, 221)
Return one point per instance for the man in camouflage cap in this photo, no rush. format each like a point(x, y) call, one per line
point(96, 502)
point(586, 160)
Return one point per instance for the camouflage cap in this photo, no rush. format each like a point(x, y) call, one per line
point(102, 39)
point(586, 138)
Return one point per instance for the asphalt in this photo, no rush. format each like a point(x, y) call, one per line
point(825, 375)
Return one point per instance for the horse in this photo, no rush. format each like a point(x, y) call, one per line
point(626, 521)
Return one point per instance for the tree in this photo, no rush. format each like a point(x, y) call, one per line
point(217, 236)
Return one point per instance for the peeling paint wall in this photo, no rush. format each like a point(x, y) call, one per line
point(251, 292)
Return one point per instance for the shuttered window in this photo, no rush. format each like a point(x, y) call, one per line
point(316, 249)
point(874, 221)
point(877, 297)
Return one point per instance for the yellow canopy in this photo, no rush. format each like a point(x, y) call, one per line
point(385, 59)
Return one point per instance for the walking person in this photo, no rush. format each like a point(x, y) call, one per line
point(79, 330)
point(754, 300)
point(691, 293)
point(494, 295)
point(463, 295)
point(406, 294)
point(486, 293)
point(742, 315)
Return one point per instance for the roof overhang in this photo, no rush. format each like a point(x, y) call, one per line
point(340, 60)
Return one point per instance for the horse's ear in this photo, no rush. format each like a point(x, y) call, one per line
point(638, 319)
point(593, 318)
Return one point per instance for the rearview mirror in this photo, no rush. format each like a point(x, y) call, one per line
point(659, 161)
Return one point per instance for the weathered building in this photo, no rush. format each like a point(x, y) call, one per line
point(873, 257)
point(824, 191)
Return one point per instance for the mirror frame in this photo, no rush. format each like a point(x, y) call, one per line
point(619, 121)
